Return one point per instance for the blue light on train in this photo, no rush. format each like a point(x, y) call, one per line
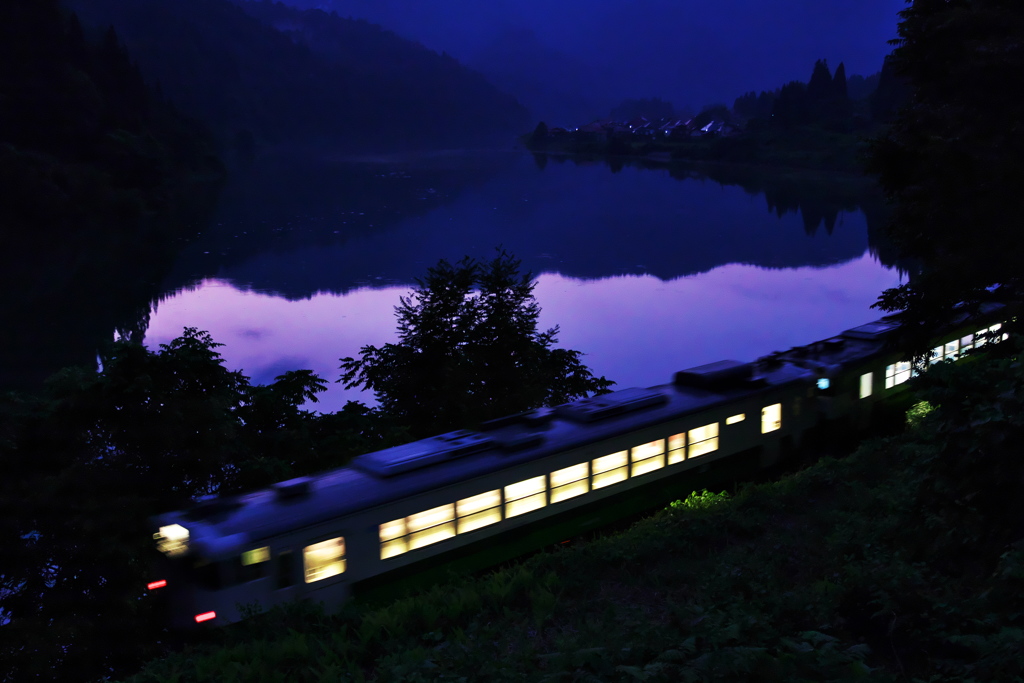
point(823, 383)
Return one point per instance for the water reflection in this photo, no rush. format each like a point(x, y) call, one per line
point(635, 329)
point(295, 229)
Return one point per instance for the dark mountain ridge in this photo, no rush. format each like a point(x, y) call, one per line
point(261, 72)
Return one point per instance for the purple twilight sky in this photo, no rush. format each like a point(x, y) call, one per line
point(602, 51)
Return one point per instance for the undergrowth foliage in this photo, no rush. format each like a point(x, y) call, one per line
point(904, 561)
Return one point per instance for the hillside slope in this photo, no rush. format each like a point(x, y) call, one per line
point(259, 72)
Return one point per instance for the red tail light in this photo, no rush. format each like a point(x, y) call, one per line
point(205, 616)
point(153, 585)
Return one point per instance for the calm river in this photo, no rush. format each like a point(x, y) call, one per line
point(645, 271)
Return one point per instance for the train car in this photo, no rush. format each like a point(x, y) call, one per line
point(519, 482)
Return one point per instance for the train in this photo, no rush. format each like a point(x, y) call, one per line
point(475, 498)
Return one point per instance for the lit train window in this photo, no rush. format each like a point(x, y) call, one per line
point(525, 496)
point(392, 539)
point(771, 418)
point(324, 559)
point(703, 440)
point(479, 511)
point(866, 381)
point(648, 457)
point(967, 343)
point(989, 335)
point(431, 526)
point(255, 556)
point(255, 565)
point(935, 355)
point(676, 448)
point(735, 418)
point(570, 482)
point(952, 349)
point(610, 469)
point(897, 373)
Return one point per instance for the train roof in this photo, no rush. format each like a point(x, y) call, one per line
point(223, 525)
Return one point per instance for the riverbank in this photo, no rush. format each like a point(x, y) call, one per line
point(799, 147)
point(899, 562)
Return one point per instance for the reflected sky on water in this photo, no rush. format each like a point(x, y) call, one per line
point(634, 329)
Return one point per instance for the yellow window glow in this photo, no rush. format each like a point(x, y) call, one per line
point(431, 526)
point(676, 448)
point(610, 469)
point(735, 418)
point(866, 381)
point(255, 556)
point(647, 457)
point(525, 496)
point(479, 511)
point(771, 418)
point(324, 559)
point(570, 482)
point(392, 539)
point(703, 440)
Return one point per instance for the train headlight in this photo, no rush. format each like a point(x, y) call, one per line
point(824, 383)
point(172, 539)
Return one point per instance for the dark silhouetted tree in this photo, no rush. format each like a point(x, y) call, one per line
point(469, 350)
point(791, 106)
point(539, 137)
point(890, 94)
point(839, 82)
point(819, 88)
point(953, 159)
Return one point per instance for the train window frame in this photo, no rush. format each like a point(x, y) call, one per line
point(771, 418)
point(253, 564)
point(468, 512)
point(284, 570)
point(677, 448)
point(526, 496)
point(898, 373)
point(331, 566)
point(569, 488)
point(651, 458)
point(867, 382)
point(392, 544)
point(609, 476)
point(430, 526)
point(702, 440)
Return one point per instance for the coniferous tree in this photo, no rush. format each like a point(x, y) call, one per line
point(819, 88)
point(839, 82)
point(791, 106)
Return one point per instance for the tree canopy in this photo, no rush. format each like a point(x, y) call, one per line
point(469, 351)
point(953, 159)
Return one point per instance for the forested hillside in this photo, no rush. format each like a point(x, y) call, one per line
point(92, 165)
point(260, 72)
